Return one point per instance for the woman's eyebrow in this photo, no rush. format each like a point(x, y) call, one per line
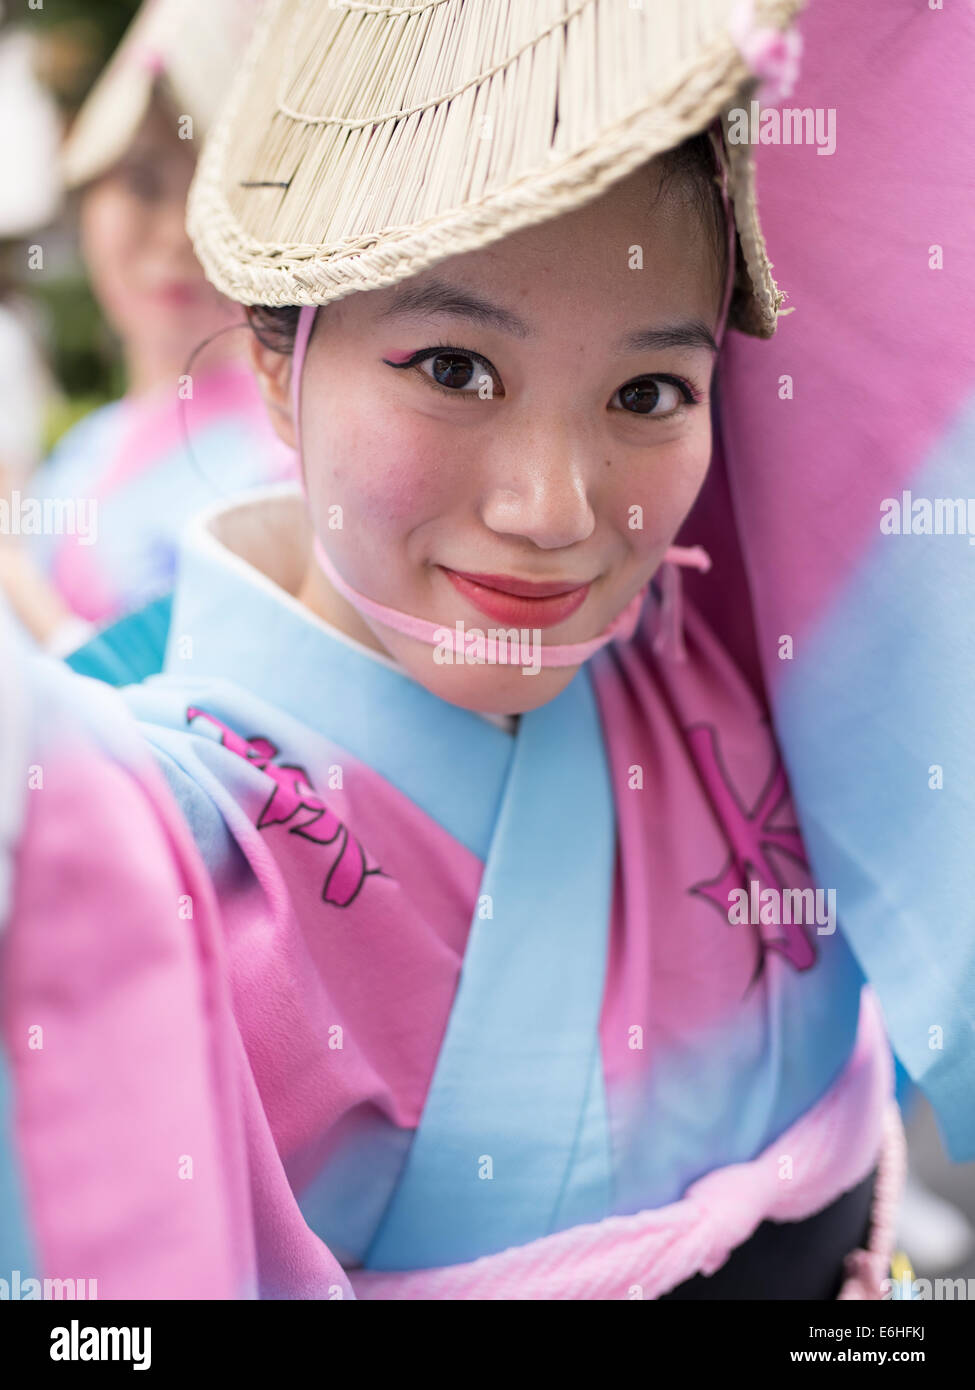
point(437, 297)
point(693, 334)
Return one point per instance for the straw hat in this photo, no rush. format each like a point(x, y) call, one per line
point(30, 190)
point(192, 48)
point(363, 142)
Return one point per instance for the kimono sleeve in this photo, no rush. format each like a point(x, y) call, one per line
point(122, 1153)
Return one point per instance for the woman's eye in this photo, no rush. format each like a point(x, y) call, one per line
point(655, 395)
point(143, 183)
point(456, 371)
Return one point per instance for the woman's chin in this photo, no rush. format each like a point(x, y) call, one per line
point(485, 687)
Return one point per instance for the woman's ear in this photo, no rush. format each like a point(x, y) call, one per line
point(273, 372)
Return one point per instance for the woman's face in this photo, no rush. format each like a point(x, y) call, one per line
point(141, 263)
point(536, 411)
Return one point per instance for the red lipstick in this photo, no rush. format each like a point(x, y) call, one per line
point(519, 602)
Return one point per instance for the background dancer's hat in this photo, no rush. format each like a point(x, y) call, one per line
point(192, 49)
point(363, 142)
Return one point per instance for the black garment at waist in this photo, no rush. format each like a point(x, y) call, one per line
point(791, 1259)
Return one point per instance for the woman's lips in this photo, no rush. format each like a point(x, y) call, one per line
point(176, 293)
point(551, 604)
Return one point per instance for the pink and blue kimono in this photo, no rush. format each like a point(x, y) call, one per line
point(146, 466)
point(122, 1169)
point(495, 1033)
point(848, 440)
point(486, 997)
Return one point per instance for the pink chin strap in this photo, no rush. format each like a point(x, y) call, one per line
point(624, 624)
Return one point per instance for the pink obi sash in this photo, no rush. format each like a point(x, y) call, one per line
point(832, 1148)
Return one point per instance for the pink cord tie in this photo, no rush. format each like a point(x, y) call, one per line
point(668, 640)
point(621, 629)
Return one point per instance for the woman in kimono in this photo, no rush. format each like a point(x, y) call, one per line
point(126, 469)
point(532, 991)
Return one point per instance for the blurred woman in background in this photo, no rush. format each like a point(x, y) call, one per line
point(186, 431)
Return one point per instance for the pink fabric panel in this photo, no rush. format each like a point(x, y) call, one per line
point(876, 345)
point(135, 1076)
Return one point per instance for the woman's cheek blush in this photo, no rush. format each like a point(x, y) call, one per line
point(395, 474)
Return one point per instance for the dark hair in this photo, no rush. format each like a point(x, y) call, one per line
point(692, 164)
point(275, 328)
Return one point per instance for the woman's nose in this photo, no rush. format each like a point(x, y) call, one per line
point(540, 487)
point(169, 229)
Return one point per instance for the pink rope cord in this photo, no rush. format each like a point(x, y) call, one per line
point(866, 1269)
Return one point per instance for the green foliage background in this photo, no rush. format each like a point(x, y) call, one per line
point(98, 24)
point(82, 353)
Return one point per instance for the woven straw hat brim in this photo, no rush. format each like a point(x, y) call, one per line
point(192, 49)
point(365, 142)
